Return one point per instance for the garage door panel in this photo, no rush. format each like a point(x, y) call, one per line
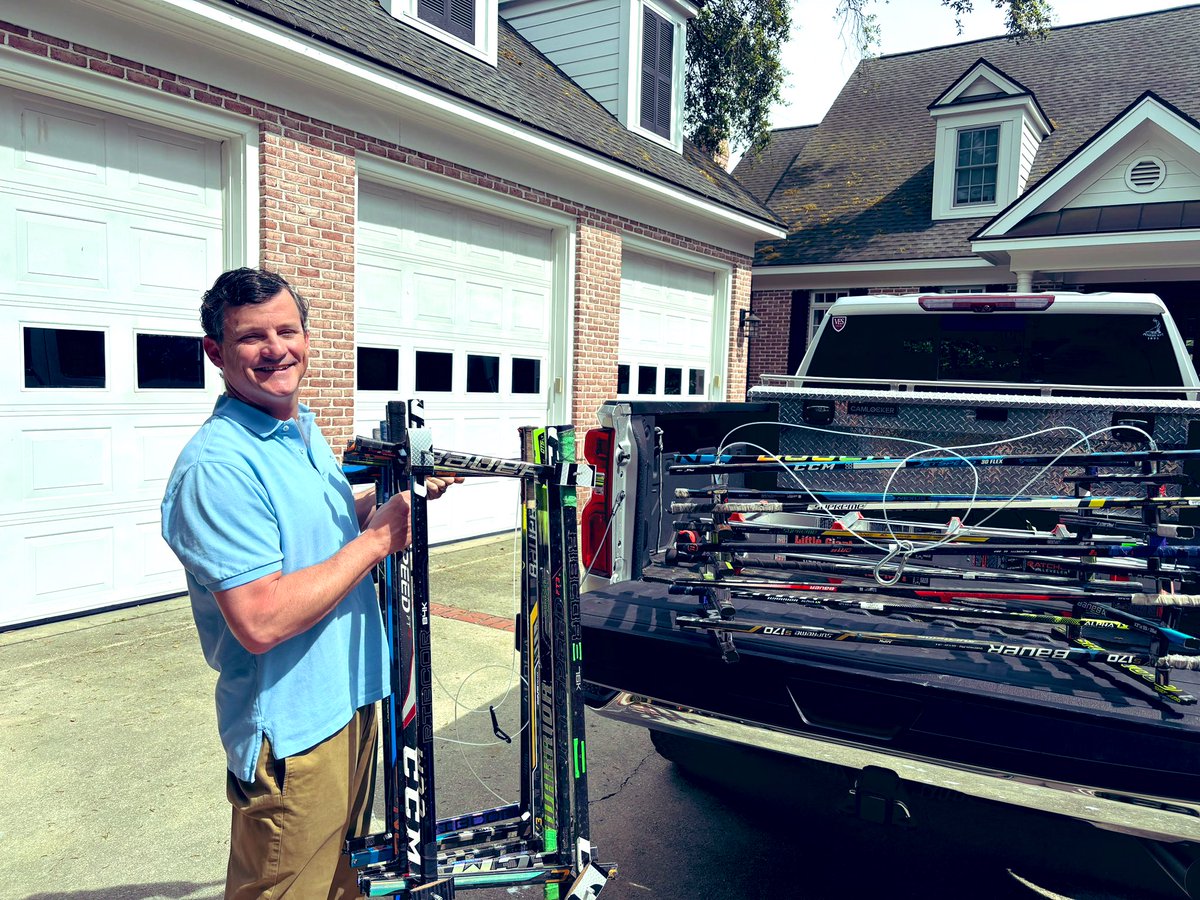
point(484, 307)
point(531, 252)
point(64, 568)
point(69, 562)
point(66, 462)
point(110, 159)
point(379, 285)
point(661, 297)
point(173, 168)
point(61, 250)
point(435, 231)
point(485, 238)
point(157, 448)
point(155, 556)
point(437, 278)
point(109, 231)
point(61, 143)
point(106, 259)
point(433, 300)
point(531, 313)
point(168, 261)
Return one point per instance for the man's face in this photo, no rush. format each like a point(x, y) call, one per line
point(264, 354)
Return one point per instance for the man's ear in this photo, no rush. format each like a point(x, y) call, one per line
point(213, 351)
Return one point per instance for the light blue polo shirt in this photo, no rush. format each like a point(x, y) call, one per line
point(249, 496)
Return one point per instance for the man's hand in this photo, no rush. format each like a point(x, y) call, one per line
point(439, 484)
point(391, 522)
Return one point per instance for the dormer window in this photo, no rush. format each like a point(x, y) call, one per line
point(658, 73)
point(628, 54)
point(467, 25)
point(975, 171)
point(454, 16)
point(988, 130)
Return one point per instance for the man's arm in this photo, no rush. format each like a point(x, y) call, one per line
point(267, 611)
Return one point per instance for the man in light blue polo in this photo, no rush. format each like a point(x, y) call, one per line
point(277, 550)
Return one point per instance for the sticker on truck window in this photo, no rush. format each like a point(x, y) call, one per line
point(1153, 334)
point(838, 322)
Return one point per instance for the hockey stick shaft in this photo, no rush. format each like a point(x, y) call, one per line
point(707, 463)
point(1024, 651)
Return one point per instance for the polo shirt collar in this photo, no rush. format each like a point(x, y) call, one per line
point(252, 418)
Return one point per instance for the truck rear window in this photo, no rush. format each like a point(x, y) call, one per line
point(1091, 349)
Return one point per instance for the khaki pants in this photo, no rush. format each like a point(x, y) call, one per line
point(290, 826)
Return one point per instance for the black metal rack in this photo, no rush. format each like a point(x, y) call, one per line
point(542, 840)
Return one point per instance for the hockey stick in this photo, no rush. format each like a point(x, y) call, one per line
point(1022, 651)
point(1136, 598)
point(708, 463)
point(941, 610)
point(961, 502)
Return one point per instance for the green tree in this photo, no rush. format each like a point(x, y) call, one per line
point(735, 72)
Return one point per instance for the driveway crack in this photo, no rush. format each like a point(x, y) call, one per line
point(628, 778)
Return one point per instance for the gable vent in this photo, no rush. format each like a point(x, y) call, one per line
point(1145, 174)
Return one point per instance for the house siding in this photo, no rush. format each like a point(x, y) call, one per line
point(308, 182)
point(1029, 148)
point(1181, 183)
point(582, 39)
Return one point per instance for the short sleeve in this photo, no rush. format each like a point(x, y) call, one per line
point(222, 526)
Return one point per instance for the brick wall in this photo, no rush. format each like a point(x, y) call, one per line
point(307, 232)
point(739, 348)
point(769, 348)
point(307, 184)
point(597, 318)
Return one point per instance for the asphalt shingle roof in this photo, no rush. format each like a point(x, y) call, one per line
point(761, 171)
point(523, 86)
point(862, 187)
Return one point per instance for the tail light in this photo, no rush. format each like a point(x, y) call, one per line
point(985, 303)
point(594, 524)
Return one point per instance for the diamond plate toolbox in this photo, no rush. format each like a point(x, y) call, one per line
point(845, 422)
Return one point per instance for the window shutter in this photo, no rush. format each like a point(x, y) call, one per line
point(649, 67)
point(658, 55)
point(462, 19)
point(665, 73)
point(456, 17)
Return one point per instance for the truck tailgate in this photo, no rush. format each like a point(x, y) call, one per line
point(1079, 724)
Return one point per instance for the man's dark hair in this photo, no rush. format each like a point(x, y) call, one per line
point(239, 287)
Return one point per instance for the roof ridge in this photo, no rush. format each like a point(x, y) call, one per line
point(1056, 28)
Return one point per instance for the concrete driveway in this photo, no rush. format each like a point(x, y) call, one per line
point(113, 783)
point(112, 779)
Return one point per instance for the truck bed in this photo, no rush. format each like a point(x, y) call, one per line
point(1080, 732)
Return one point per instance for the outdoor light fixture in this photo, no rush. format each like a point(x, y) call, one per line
point(748, 322)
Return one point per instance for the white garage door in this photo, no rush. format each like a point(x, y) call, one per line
point(112, 229)
point(453, 306)
point(666, 348)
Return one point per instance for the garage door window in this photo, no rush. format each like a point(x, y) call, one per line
point(672, 381)
point(647, 379)
point(695, 382)
point(64, 358)
point(378, 369)
point(622, 380)
point(483, 374)
point(435, 371)
point(172, 361)
point(526, 375)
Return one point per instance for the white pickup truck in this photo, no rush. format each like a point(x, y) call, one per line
point(1028, 374)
